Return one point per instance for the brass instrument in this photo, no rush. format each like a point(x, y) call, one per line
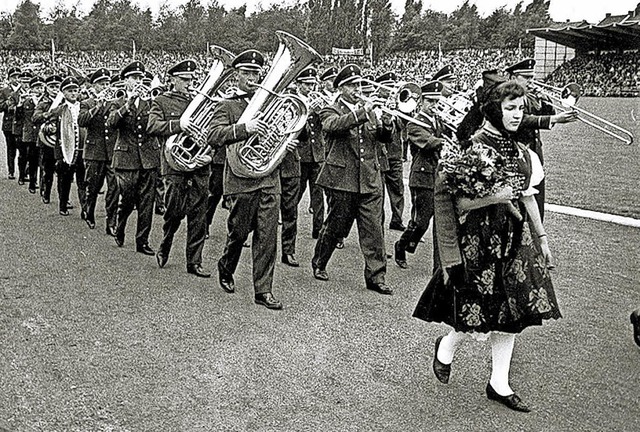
point(565, 99)
point(403, 96)
point(187, 153)
point(452, 109)
point(317, 100)
point(69, 135)
point(49, 129)
point(258, 156)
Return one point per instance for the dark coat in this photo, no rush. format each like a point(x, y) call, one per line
point(311, 139)
point(8, 102)
point(352, 163)
point(29, 129)
point(134, 148)
point(425, 146)
point(100, 136)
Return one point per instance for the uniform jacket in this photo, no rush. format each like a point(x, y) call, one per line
point(8, 101)
point(538, 112)
point(425, 147)
point(164, 121)
point(352, 163)
point(134, 148)
point(394, 148)
point(311, 148)
point(29, 128)
point(290, 166)
point(100, 139)
point(225, 131)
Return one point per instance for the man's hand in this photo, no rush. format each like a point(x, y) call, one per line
point(257, 126)
point(292, 145)
point(189, 127)
point(565, 117)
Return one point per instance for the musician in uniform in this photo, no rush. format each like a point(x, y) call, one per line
point(253, 203)
point(185, 192)
point(312, 152)
point(136, 158)
point(9, 96)
point(424, 144)
point(393, 177)
point(352, 180)
point(98, 151)
point(539, 114)
point(326, 82)
point(45, 121)
point(18, 123)
point(30, 130)
point(448, 80)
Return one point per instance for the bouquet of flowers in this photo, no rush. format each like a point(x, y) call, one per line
point(475, 172)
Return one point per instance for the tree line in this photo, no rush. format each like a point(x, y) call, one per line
point(369, 24)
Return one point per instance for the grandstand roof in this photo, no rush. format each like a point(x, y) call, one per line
point(613, 32)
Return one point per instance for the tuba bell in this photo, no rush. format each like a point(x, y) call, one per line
point(286, 114)
point(184, 152)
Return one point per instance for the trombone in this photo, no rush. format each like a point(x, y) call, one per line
point(565, 98)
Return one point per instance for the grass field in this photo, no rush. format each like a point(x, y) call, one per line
point(97, 338)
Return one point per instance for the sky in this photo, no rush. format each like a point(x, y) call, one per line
point(592, 11)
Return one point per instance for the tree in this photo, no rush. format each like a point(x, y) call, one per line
point(27, 27)
point(380, 26)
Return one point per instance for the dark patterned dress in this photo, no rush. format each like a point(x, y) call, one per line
point(503, 283)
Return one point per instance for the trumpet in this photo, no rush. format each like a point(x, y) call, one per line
point(565, 98)
point(317, 100)
point(404, 96)
point(108, 95)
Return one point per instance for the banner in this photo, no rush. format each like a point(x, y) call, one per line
point(347, 51)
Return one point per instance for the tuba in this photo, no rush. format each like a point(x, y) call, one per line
point(69, 136)
point(184, 152)
point(258, 156)
point(48, 130)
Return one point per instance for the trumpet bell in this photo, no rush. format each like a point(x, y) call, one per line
point(570, 94)
point(408, 98)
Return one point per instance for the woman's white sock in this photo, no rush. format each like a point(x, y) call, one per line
point(501, 352)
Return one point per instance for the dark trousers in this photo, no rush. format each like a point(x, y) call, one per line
point(540, 198)
point(185, 196)
point(289, 211)
point(96, 173)
point(159, 200)
point(215, 190)
point(33, 156)
point(136, 188)
point(365, 209)
point(47, 169)
point(12, 150)
point(395, 190)
point(23, 157)
point(255, 211)
point(309, 172)
point(421, 213)
point(65, 174)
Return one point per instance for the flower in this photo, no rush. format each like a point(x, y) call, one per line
point(472, 315)
point(539, 300)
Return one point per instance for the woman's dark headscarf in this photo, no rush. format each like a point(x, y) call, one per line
point(492, 106)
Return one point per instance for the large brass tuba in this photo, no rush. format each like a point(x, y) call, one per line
point(258, 156)
point(184, 152)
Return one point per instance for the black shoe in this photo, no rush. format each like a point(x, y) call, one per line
point(32, 190)
point(196, 269)
point(119, 238)
point(160, 211)
point(320, 274)
point(83, 215)
point(64, 212)
point(21, 182)
point(12, 177)
point(400, 255)
point(91, 224)
point(268, 300)
point(226, 281)
point(340, 244)
point(381, 288)
point(162, 259)
point(441, 370)
point(512, 401)
point(635, 320)
point(110, 230)
point(69, 205)
point(145, 249)
point(45, 200)
point(397, 226)
point(290, 260)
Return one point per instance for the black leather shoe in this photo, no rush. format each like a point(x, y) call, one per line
point(340, 244)
point(381, 288)
point(397, 226)
point(320, 274)
point(12, 177)
point(162, 259)
point(83, 215)
point(226, 280)
point(119, 238)
point(21, 182)
point(290, 260)
point(91, 224)
point(160, 211)
point(441, 370)
point(145, 249)
point(512, 401)
point(196, 269)
point(45, 200)
point(400, 255)
point(268, 300)
point(69, 205)
point(64, 212)
point(32, 190)
point(110, 230)
point(635, 320)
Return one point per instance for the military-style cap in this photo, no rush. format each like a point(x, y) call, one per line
point(492, 77)
point(432, 89)
point(367, 87)
point(387, 78)
point(53, 79)
point(115, 79)
point(147, 78)
point(36, 81)
point(348, 74)
point(329, 74)
point(251, 60)
point(308, 75)
point(13, 71)
point(184, 69)
point(446, 73)
point(133, 68)
point(25, 76)
point(100, 74)
point(525, 67)
point(69, 83)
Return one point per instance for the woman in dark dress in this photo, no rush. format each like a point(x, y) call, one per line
point(494, 281)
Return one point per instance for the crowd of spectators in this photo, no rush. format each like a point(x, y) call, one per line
point(610, 74)
point(598, 75)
